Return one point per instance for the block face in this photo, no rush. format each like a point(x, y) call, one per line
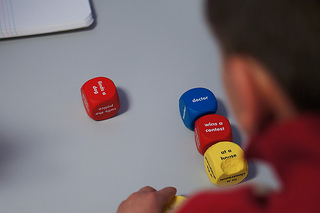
point(99, 89)
point(85, 102)
point(175, 202)
point(211, 129)
point(225, 164)
point(100, 98)
point(196, 103)
point(105, 110)
point(184, 111)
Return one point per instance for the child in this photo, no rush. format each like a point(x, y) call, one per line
point(271, 51)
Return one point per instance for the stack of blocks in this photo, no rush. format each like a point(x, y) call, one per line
point(224, 160)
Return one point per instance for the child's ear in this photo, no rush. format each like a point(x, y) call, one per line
point(255, 95)
point(243, 91)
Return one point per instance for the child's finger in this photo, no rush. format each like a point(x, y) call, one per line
point(166, 194)
point(147, 189)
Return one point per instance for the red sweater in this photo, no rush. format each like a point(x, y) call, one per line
point(293, 148)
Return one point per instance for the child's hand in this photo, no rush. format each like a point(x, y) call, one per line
point(147, 200)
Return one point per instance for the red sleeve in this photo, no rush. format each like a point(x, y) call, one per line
point(301, 193)
point(293, 148)
point(241, 200)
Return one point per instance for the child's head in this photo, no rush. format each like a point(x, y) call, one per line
point(281, 36)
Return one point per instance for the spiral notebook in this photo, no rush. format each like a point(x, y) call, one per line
point(30, 17)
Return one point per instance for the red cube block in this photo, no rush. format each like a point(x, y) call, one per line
point(211, 129)
point(100, 98)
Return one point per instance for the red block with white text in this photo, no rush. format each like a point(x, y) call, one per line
point(100, 98)
point(211, 129)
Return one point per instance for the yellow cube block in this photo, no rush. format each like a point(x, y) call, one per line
point(225, 164)
point(175, 202)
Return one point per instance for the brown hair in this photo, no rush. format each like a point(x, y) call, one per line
point(283, 35)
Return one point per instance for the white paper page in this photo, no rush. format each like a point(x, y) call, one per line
point(26, 17)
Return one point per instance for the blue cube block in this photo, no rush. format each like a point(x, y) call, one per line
point(196, 103)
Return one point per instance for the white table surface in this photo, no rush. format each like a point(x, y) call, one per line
point(54, 158)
